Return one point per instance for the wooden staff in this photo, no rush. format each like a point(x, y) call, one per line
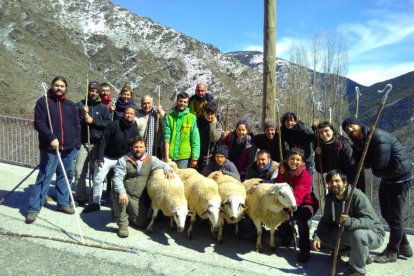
point(387, 90)
point(279, 133)
point(357, 94)
point(157, 90)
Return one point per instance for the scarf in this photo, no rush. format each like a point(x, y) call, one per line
point(120, 105)
point(265, 169)
point(137, 163)
point(150, 132)
point(107, 101)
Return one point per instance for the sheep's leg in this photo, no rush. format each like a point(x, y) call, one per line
point(154, 215)
point(258, 225)
point(190, 228)
point(272, 238)
point(220, 232)
point(171, 222)
point(237, 230)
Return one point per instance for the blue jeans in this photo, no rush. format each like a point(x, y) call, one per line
point(182, 164)
point(49, 165)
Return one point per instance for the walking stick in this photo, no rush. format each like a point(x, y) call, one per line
point(357, 94)
point(61, 163)
point(387, 90)
point(209, 140)
point(157, 126)
point(89, 143)
point(17, 186)
point(279, 134)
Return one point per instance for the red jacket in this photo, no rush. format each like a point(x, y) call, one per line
point(301, 182)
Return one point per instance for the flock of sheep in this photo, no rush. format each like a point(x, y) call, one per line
point(218, 198)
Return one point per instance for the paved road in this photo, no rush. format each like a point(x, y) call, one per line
point(165, 252)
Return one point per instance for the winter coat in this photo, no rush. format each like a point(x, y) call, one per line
point(300, 136)
point(336, 155)
point(64, 119)
point(301, 182)
point(361, 215)
point(210, 133)
point(272, 146)
point(386, 156)
point(116, 140)
point(120, 107)
point(101, 119)
point(196, 105)
point(228, 168)
point(181, 132)
point(246, 152)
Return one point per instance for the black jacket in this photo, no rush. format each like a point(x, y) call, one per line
point(209, 134)
point(101, 118)
point(386, 156)
point(271, 146)
point(117, 139)
point(65, 123)
point(299, 136)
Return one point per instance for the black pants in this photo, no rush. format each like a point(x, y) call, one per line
point(392, 197)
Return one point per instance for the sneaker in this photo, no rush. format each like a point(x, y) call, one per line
point(92, 208)
point(303, 256)
point(31, 217)
point(387, 256)
point(405, 251)
point(123, 231)
point(67, 210)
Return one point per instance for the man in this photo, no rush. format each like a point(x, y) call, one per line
point(130, 200)
point(210, 131)
point(147, 119)
point(221, 165)
point(57, 123)
point(363, 230)
point(114, 143)
point(296, 134)
point(268, 140)
point(106, 96)
point(264, 167)
point(389, 161)
point(181, 137)
point(94, 117)
point(199, 99)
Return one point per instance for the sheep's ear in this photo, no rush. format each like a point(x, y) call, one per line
point(190, 213)
point(243, 206)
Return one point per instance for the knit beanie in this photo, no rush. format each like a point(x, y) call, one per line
point(350, 121)
point(95, 85)
point(269, 124)
point(223, 149)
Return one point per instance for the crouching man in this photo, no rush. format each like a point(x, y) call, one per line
point(363, 230)
point(130, 199)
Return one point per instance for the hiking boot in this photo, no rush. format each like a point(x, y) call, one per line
point(350, 271)
point(387, 256)
point(67, 210)
point(31, 217)
point(369, 260)
point(92, 208)
point(80, 203)
point(303, 256)
point(123, 231)
point(405, 251)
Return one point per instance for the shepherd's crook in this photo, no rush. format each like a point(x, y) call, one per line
point(279, 134)
point(387, 90)
point(357, 94)
point(61, 164)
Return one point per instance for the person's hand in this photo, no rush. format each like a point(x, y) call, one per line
point(318, 150)
point(315, 124)
point(55, 144)
point(123, 199)
point(159, 109)
point(316, 245)
point(282, 169)
point(100, 164)
point(343, 218)
point(253, 188)
point(88, 119)
point(214, 118)
point(85, 110)
point(167, 159)
point(192, 164)
point(169, 175)
point(113, 107)
point(274, 163)
point(216, 175)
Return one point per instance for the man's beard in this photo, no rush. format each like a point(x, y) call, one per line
point(334, 191)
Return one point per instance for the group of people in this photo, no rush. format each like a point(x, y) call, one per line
point(117, 141)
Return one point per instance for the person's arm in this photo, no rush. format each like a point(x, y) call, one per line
point(119, 175)
point(303, 187)
point(195, 142)
point(362, 214)
point(230, 169)
point(215, 129)
point(166, 128)
point(159, 164)
point(41, 121)
point(104, 118)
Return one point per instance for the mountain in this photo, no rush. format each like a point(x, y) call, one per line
point(97, 40)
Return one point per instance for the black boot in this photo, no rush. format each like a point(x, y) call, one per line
point(405, 250)
point(387, 256)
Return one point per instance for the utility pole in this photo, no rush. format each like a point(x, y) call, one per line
point(269, 60)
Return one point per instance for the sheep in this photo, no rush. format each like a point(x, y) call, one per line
point(202, 196)
point(168, 196)
point(266, 204)
point(233, 197)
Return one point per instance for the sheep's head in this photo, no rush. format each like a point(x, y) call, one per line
point(233, 206)
point(212, 212)
point(284, 196)
point(179, 215)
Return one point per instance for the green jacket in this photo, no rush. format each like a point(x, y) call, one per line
point(181, 132)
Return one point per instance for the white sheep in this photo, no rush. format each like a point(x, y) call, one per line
point(266, 204)
point(233, 197)
point(168, 196)
point(202, 196)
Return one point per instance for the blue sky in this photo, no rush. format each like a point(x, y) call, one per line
point(379, 34)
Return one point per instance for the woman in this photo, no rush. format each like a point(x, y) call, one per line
point(334, 151)
point(242, 150)
point(293, 171)
point(125, 99)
